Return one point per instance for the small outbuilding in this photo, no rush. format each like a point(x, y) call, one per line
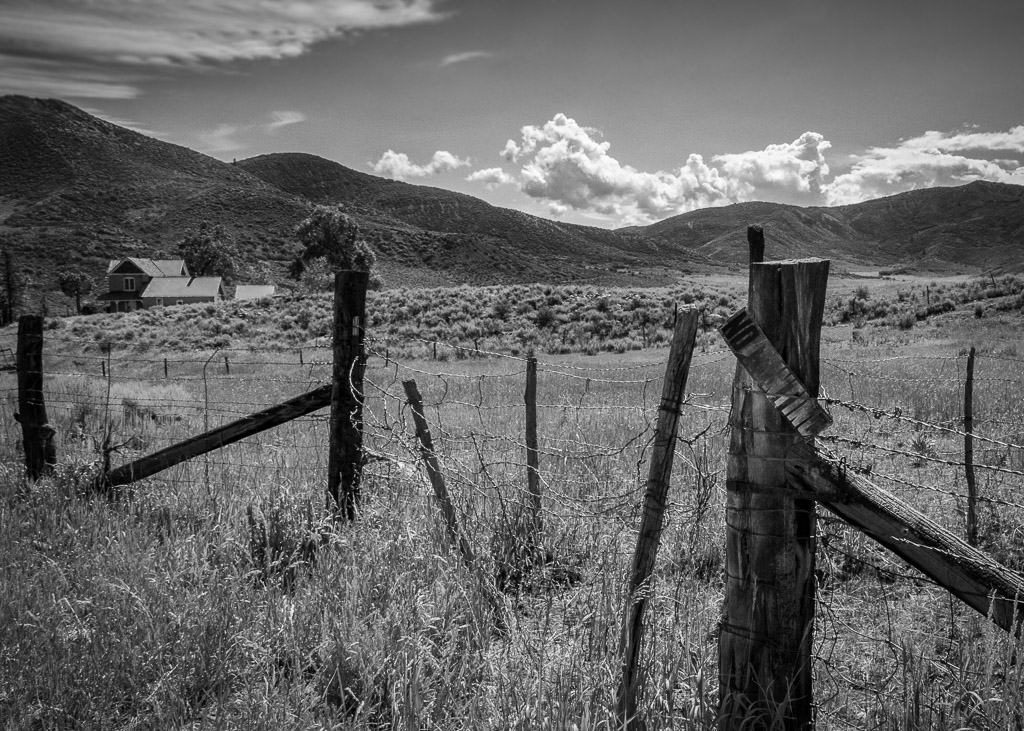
point(254, 291)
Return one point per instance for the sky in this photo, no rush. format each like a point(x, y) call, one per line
point(600, 112)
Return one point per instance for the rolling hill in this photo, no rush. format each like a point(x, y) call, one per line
point(77, 191)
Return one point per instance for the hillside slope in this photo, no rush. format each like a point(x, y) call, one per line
point(77, 191)
point(977, 226)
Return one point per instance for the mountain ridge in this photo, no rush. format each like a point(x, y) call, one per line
point(77, 191)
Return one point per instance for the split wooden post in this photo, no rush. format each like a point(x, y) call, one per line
point(655, 501)
point(456, 537)
point(972, 488)
point(37, 434)
point(222, 436)
point(768, 611)
point(345, 456)
point(532, 455)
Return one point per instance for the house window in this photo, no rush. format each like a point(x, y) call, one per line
point(179, 302)
point(129, 284)
point(159, 301)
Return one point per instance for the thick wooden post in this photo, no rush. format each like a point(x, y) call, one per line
point(532, 457)
point(37, 434)
point(655, 501)
point(972, 488)
point(345, 456)
point(768, 613)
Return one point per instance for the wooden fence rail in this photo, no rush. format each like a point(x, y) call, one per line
point(214, 439)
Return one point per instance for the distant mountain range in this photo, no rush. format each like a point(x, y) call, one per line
point(77, 191)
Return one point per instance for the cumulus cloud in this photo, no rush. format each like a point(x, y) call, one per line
point(1012, 139)
point(567, 166)
point(888, 170)
point(57, 42)
point(463, 57)
point(796, 167)
point(491, 177)
point(398, 165)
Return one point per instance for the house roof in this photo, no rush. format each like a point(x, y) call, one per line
point(253, 291)
point(152, 267)
point(183, 287)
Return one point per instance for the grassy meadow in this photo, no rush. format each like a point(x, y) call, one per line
point(217, 594)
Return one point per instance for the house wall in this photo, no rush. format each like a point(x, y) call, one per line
point(115, 282)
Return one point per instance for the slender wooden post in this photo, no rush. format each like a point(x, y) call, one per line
point(972, 488)
point(165, 368)
point(456, 537)
point(768, 612)
point(345, 457)
point(227, 366)
point(37, 434)
point(652, 520)
point(532, 458)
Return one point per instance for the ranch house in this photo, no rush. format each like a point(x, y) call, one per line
point(134, 284)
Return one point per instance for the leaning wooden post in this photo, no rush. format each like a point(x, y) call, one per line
point(37, 434)
point(972, 488)
point(456, 537)
point(768, 612)
point(532, 458)
point(345, 455)
point(652, 520)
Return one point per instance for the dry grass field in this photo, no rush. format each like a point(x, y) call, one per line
point(218, 595)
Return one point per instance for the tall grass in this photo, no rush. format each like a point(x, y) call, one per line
point(219, 595)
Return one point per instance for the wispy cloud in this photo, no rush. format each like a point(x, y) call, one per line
point(463, 57)
point(126, 123)
point(568, 167)
point(220, 139)
point(59, 44)
point(284, 118)
point(398, 165)
point(227, 137)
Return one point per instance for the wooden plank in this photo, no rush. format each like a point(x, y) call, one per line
point(772, 375)
point(284, 412)
point(651, 522)
point(978, 580)
point(767, 622)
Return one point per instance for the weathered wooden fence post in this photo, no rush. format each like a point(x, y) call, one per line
point(972, 488)
point(345, 455)
point(652, 520)
point(532, 458)
point(456, 537)
point(37, 434)
point(768, 611)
